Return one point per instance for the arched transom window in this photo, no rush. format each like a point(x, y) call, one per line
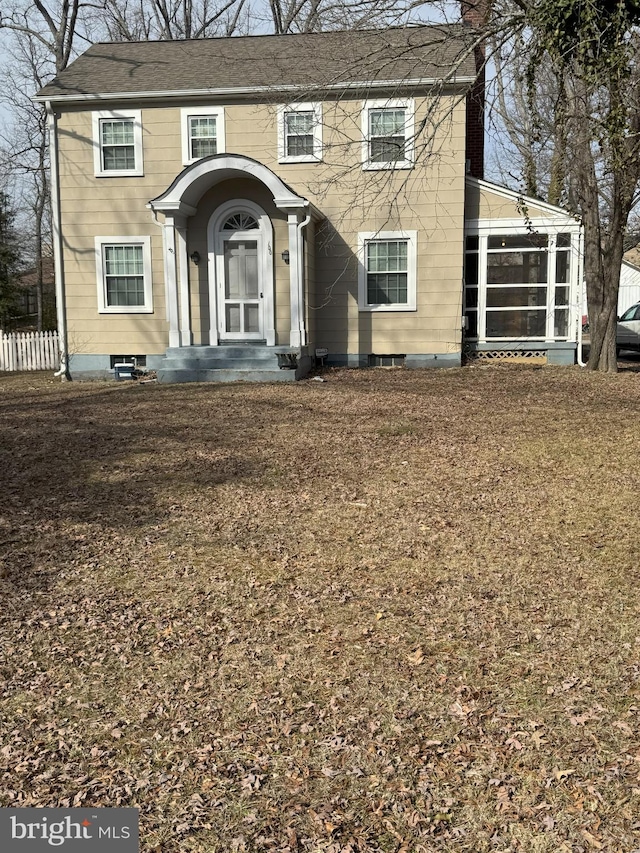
point(240, 222)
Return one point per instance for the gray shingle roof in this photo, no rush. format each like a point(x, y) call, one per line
point(307, 61)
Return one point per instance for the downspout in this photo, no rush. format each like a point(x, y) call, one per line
point(581, 283)
point(61, 312)
point(302, 326)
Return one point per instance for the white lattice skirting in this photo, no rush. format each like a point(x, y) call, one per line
point(510, 356)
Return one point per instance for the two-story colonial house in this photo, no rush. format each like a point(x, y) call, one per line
point(218, 202)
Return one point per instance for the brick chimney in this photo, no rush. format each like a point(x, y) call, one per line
point(475, 14)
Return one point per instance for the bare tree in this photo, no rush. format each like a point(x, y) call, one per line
point(53, 25)
point(143, 20)
point(569, 95)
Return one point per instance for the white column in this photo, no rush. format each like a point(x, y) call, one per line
point(170, 273)
point(212, 274)
point(302, 325)
point(186, 336)
point(294, 279)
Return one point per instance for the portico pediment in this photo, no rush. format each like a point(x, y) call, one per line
point(183, 195)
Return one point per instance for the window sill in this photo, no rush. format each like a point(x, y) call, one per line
point(306, 158)
point(126, 309)
point(380, 167)
point(377, 309)
point(120, 173)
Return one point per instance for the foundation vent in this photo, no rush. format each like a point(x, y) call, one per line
point(386, 360)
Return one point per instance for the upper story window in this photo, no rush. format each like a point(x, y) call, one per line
point(123, 268)
point(387, 131)
point(387, 271)
point(117, 141)
point(202, 133)
point(300, 133)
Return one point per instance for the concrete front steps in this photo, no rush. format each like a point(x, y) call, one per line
point(229, 363)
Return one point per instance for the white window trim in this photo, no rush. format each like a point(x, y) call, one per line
point(366, 237)
point(407, 104)
point(316, 109)
point(100, 115)
point(103, 307)
point(185, 114)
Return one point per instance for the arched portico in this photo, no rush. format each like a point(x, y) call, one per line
point(180, 201)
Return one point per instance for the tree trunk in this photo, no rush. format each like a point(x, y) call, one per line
point(602, 321)
point(602, 289)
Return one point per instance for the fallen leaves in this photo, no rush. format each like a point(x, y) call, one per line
point(308, 645)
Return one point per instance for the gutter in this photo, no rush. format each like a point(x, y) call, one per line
point(61, 313)
point(582, 282)
point(238, 91)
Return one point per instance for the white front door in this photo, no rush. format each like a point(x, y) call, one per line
point(240, 288)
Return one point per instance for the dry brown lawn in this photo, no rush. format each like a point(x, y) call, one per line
point(396, 611)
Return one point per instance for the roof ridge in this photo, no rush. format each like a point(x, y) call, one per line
point(256, 36)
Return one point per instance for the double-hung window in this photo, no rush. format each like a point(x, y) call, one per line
point(387, 271)
point(300, 133)
point(388, 131)
point(117, 140)
point(202, 133)
point(123, 266)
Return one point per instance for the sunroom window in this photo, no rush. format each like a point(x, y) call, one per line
point(518, 286)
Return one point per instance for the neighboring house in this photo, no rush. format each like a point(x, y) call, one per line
point(222, 198)
point(629, 292)
point(26, 318)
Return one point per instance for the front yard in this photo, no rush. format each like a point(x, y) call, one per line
point(396, 611)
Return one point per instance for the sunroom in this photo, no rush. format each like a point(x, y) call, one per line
point(522, 274)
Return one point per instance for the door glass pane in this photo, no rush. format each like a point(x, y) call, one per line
point(241, 270)
point(251, 318)
point(232, 312)
point(233, 279)
point(251, 289)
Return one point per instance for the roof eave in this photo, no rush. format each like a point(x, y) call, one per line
point(244, 91)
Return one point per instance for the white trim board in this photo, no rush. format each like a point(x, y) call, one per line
point(517, 197)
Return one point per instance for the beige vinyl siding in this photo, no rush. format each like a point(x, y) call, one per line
point(482, 203)
point(430, 198)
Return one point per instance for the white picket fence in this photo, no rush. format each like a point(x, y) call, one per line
point(29, 351)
